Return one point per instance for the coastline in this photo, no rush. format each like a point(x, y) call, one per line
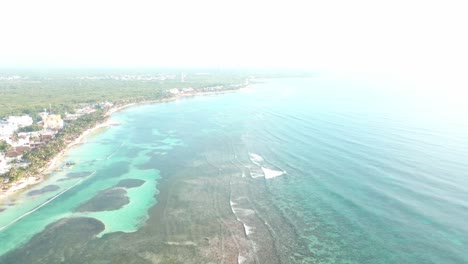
point(170, 99)
point(23, 184)
point(51, 166)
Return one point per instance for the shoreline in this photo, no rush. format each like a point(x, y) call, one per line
point(23, 184)
point(170, 99)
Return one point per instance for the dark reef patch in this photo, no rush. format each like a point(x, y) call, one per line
point(107, 200)
point(57, 243)
point(130, 183)
point(76, 175)
point(48, 188)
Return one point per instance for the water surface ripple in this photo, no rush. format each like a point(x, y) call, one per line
point(287, 171)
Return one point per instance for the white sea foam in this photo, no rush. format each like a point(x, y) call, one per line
point(269, 173)
point(233, 209)
point(255, 158)
point(244, 212)
point(185, 243)
point(117, 150)
point(248, 229)
point(232, 203)
point(257, 175)
point(241, 259)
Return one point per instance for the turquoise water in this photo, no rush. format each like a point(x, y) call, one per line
point(288, 171)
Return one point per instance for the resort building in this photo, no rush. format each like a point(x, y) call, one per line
point(106, 104)
point(70, 117)
point(85, 110)
point(18, 141)
point(52, 122)
point(20, 121)
point(188, 90)
point(6, 130)
point(174, 91)
point(4, 166)
point(13, 154)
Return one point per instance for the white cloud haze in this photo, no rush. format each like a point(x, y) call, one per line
point(405, 37)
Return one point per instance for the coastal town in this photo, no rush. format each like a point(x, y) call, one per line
point(22, 134)
point(29, 143)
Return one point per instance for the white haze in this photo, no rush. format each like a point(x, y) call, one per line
point(422, 42)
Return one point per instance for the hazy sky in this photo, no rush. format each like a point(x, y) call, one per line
point(400, 36)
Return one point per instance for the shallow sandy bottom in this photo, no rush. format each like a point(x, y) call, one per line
point(194, 221)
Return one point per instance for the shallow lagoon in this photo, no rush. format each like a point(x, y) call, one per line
point(290, 171)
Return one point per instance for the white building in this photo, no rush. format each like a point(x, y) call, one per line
point(187, 90)
point(107, 104)
point(4, 166)
point(19, 142)
point(34, 134)
point(53, 122)
point(20, 121)
point(85, 110)
point(174, 91)
point(6, 130)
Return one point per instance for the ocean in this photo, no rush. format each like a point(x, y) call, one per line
point(311, 170)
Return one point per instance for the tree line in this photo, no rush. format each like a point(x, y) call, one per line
point(40, 157)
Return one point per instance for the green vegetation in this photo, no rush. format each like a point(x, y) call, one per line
point(39, 157)
point(66, 93)
point(4, 147)
point(31, 128)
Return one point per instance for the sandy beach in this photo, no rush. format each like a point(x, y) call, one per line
point(51, 166)
point(170, 99)
point(32, 180)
